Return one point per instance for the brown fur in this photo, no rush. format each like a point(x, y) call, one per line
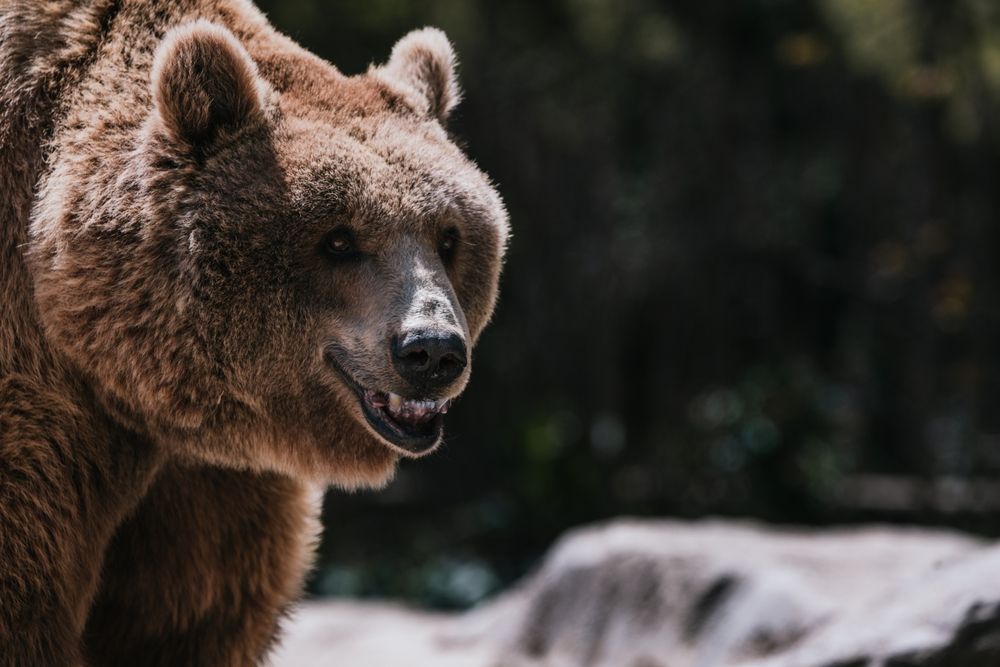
point(169, 171)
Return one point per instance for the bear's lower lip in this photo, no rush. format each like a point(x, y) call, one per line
point(417, 439)
point(411, 439)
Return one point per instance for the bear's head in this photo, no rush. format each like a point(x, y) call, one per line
point(272, 265)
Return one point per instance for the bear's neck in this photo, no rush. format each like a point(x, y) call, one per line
point(91, 464)
point(46, 60)
point(36, 66)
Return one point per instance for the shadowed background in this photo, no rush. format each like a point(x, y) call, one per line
point(754, 272)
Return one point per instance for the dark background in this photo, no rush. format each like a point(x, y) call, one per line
point(753, 273)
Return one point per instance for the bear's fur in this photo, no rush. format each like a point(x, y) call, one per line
point(211, 244)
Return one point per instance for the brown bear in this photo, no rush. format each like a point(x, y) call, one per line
point(230, 275)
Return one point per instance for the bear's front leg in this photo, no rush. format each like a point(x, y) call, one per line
point(66, 480)
point(202, 572)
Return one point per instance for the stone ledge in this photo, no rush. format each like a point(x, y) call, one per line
point(705, 594)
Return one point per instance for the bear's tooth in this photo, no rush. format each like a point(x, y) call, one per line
point(395, 402)
point(440, 403)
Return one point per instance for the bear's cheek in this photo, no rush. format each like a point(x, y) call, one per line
point(319, 435)
point(477, 293)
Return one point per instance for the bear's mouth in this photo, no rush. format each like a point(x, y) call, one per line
point(414, 426)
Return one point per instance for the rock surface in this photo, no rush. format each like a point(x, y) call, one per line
point(707, 594)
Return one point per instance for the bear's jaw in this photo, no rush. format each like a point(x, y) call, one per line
point(410, 426)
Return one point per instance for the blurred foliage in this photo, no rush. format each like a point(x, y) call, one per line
point(755, 257)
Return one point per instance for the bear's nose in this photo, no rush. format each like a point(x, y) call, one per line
point(429, 360)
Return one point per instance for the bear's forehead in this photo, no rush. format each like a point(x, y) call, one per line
point(323, 92)
point(380, 168)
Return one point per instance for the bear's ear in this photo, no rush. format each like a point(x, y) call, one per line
point(425, 61)
point(204, 82)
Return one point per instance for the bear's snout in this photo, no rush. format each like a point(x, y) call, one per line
point(429, 360)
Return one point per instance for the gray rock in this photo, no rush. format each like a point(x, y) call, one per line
point(707, 594)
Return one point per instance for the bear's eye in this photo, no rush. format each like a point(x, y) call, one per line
point(340, 244)
point(448, 244)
